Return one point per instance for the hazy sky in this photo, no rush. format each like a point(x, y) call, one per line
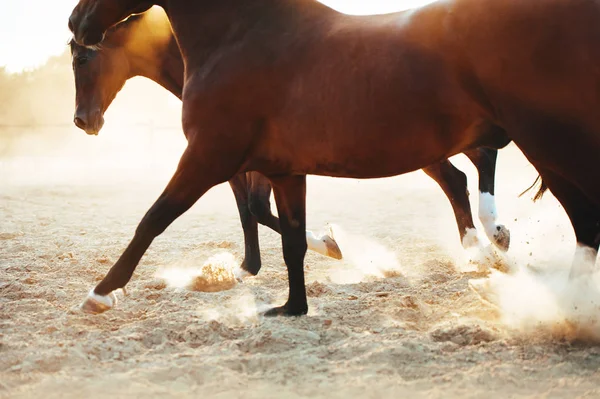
point(33, 30)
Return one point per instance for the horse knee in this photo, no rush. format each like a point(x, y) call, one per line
point(456, 180)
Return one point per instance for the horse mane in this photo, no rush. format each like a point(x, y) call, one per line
point(124, 24)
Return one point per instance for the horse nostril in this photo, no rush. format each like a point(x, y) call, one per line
point(80, 123)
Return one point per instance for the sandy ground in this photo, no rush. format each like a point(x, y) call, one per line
point(67, 212)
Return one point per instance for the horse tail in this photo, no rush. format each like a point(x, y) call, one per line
point(541, 191)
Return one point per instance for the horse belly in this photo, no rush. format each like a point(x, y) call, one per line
point(360, 146)
point(394, 109)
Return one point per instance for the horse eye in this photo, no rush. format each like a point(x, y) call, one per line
point(81, 60)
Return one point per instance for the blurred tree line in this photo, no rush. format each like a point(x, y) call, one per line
point(39, 97)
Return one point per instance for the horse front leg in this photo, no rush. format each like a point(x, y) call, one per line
point(290, 196)
point(484, 160)
point(190, 181)
point(454, 184)
point(252, 262)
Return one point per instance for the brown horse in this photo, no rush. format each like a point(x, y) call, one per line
point(143, 45)
point(292, 87)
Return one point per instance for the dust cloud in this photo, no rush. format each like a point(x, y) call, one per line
point(367, 256)
point(548, 298)
point(396, 316)
point(216, 274)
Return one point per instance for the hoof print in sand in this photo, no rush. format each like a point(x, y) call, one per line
point(462, 334)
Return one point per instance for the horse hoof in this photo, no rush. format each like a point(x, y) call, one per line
point(502, 237)
point(96, 304)
point(240, 273)
point(249, 268)
point(286, 311)
point(333, 250)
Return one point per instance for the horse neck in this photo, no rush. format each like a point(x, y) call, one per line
point(163, 65)
point(223, 22)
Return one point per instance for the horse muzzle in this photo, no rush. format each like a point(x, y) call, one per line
point(91, 123)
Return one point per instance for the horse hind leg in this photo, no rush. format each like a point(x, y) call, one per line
point(260, 206)
point(584, 216)
point(252, 262)
point(290, 196)
point(484, 160)
point(259, 194)
point(565, 153)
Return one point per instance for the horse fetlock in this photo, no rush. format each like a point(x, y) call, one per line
point(487, 208)
point(241, 273)
point(288, 310)
point(95, 303)
point(470, 238)
point(251, 265)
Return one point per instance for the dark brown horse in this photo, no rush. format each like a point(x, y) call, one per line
point(292, 87)
point(143, 45)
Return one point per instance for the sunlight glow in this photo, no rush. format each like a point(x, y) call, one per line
point(31, 37)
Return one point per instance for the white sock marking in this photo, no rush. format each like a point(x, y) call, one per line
point(488, 213)
point(316, 244)
point(470, 239)
point(240, 273)
point(104, 300)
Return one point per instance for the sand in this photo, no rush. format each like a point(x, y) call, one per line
point(394, 318)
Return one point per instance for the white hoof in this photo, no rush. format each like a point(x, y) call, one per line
point(323, 244)
point(333, 250)
point(240, 274)
point(95, 303)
